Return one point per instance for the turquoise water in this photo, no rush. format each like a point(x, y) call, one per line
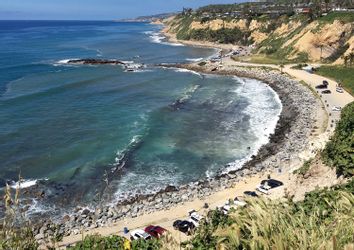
point(140, 131)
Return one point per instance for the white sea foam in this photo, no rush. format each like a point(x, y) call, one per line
point(37, 207)
point(140, 71)
point(119, 160)
point(162, 177)
point(23, 184)
point(189, 71)
point(128, 62)
point(189, 92)
point(195, 59)
point(209, 174)
point(263, 112)
point(157, 37)
point(66, 61)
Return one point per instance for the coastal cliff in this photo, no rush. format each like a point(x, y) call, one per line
point(296, 38)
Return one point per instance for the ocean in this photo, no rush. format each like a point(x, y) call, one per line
point(86, 130)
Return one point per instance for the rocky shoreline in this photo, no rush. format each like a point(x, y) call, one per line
point(291, 137)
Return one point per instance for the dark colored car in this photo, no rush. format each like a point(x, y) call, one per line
point(250, 193)
point(325, 83)
point(327, 91)
point(155, 231)
point(321, 86)
point(272, 183)
point(183, 225)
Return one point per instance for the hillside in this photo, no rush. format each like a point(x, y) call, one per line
point(290, 37)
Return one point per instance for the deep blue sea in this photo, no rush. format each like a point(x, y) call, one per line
point(88, 126)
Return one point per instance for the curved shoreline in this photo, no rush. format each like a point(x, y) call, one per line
point(294, 124)
point(291, 136)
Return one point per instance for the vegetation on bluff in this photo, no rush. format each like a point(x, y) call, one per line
point(339, 151)
point(116, 242)
point(225, 35)
point(279, 32)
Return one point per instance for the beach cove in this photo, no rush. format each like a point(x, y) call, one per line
point(275, 159)
point(302, 129)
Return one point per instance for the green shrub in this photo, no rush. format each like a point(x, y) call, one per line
point(99, 242)
point(339, 151)
point(346, 17)
point(304, 169)
point(323, 201)
point(302, 57)
point(224, 35)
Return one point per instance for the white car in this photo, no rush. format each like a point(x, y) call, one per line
point(262, 189)
point(195, 218)
point(267, 185)
point(339, 90)
point(139, 234)
point(239, 203)
point(336, 108)
point(225, 209)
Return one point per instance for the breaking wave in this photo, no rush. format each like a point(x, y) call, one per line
point(264, 115)
point(157, 37)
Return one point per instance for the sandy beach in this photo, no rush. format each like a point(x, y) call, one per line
point(304, 127)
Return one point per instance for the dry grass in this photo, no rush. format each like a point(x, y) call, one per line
point(15, 231)
point(273, 225)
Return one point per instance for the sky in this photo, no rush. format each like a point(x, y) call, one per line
point(93, 9)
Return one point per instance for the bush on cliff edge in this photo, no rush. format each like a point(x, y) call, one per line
point(339, 151)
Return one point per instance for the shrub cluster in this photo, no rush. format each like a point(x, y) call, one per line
point(339, 151)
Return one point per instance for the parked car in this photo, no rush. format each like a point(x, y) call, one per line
point(327, 91)
point(321, 86)
point(195, 218)
point(268, 184)
point(139, 234)
point(325, 83)
point(155, 231)
point(183, 225)
point(336, 108)
point(225, 209)
point(250, 193)
point(239, 203)
point(339, 90)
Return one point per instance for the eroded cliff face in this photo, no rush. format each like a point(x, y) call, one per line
point(288, 38)
point(324, 40)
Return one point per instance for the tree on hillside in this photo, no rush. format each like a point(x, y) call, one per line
point(345, 59)
point(319, 42)
point(351, 58)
